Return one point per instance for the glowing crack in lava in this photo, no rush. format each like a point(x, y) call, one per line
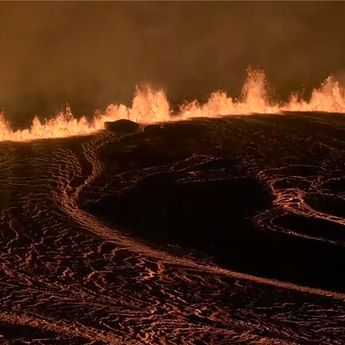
point(150, 105)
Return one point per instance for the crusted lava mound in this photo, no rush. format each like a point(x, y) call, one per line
point(121, 126)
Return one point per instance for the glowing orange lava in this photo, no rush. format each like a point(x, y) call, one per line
point(150, 105)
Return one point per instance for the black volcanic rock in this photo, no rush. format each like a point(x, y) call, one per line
point(216, 185)
point(121, 126)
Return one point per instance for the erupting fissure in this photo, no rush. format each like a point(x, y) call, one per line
point(150, 105)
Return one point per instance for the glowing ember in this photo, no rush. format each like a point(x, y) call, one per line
point(150, 105)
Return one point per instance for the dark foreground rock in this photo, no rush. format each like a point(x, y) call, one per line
point(210, 185)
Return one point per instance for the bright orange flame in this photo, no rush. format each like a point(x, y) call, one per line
point(150, 105)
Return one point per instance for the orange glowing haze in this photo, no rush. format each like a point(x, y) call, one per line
point(150, 105)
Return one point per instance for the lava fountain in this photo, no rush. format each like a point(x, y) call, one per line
point(151, 105)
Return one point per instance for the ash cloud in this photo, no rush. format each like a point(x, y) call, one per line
point(92, 54)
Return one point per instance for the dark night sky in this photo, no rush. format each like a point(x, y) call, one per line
point(92, 54)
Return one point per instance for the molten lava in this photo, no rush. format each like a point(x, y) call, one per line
point(150, 105)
